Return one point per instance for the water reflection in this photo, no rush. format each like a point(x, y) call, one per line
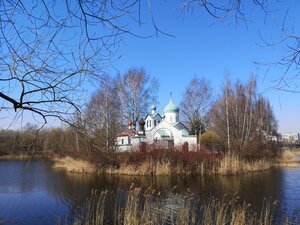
point(34, 193)
point(24, 195)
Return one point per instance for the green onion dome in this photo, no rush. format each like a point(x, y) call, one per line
point(171, 107)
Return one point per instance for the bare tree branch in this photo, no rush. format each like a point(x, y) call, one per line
point(50, 50)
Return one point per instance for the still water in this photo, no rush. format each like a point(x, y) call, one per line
point(34, 193)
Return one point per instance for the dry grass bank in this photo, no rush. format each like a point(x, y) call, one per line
point(74, 165)
point(228, 164)
point(144, 168)
point(149, 207)
point(141, 169)
point(287, 158)
point(149, 168)
point(297, 150)
point(233, 165)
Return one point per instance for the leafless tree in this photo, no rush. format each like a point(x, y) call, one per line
point(195, 105)
point(102, 116)
point(228, 9)
point(226, 91)
point(239, 116)
point(286, 38)
point(266, 124)
point(136, 91)
point(49, 50)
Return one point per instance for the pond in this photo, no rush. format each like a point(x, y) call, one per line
point(31, 192)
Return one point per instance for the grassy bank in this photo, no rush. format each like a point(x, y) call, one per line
point(296, 150)
point(150, 207)
point(189, 164)
point(288, 158)
point(233, 164)
point(74, 165)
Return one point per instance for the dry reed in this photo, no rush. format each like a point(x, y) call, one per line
point(74, 165)
point(228, 164)
point(232, 164)
point(287, 158)
point(149, 207)
point(148, 168)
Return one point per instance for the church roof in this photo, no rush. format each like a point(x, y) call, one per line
point(153, 112)
point(153, 107)
point(153, 115)
point(180, 126)
point(128, 132)
point(171, 107)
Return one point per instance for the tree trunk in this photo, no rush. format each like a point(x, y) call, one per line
point(227, 117)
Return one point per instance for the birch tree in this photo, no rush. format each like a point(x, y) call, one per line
point(266, 124)
point(102, 116)
point(195, 105)
point(136, 91)
point(239, 115)
point(221, 119)
point(235, 116)
point(227, 114)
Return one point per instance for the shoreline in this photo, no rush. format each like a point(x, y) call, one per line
point(228, 166)
point(24, 157)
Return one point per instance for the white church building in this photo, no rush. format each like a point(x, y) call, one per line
point(161, 131)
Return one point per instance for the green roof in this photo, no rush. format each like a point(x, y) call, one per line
point(171, 107)
point(153, 107)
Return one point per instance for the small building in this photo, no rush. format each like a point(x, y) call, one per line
point(161, 131)
point(290, 137)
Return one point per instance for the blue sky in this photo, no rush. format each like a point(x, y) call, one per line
point(202, 47)
point(205, 47)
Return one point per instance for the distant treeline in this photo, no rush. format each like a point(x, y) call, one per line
point(238, 120)
point(29, 141)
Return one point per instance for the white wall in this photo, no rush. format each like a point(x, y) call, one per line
point(177, 134)
point(171, 117)
point(136, 140)
point(126, 140)
point(191, 140)
point(151, 122)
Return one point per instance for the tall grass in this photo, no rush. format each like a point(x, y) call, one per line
point(71, 164)
point(288, 158)
point(172, 162)
point(149, 207)
point(232, 164)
